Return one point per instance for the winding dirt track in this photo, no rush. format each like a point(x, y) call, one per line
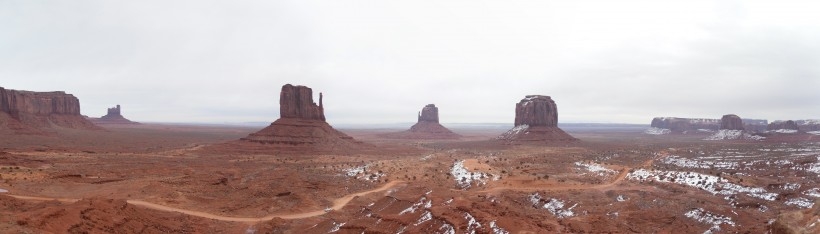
point(338, 204)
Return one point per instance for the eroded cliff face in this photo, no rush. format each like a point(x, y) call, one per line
point(429, 114)
point(28, 112)
point(536, 120)
point(297, 102)
point(731, 122)
point(536, 110)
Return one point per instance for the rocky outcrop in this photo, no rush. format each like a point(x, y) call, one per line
point(26, 111)
point(429, 114)
point(731, 122)
point(297, 102)
point(301, 123)
point(427, 127)
point(789, 124)
point(536, 110)
point(114, 116)
point(536, 120)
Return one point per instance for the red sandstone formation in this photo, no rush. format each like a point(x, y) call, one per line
point(114, 116)
point(689, 125)
point(536, 120)
point(32, 112)
point(731, 122)
point(427, 127)
point(301, 123)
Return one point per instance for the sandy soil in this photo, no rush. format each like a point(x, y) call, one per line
point(165, 178)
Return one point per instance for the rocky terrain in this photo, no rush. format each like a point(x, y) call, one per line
point(731, 122)
point(301, 124)
point(536, 120)
point(699, 125)
point(805, 125)
point(427, 127)
point(27, 112)
point(114, 116)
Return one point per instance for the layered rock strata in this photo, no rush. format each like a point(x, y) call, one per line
point(27, 111)
point(114, 116)
point(536, 120)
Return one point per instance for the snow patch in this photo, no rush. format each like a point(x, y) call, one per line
point(496, 229)
point(360, 172)
point(657, 131)
point(427, 216)
point(621, 198)
point(464, 178)
point(3, 191)
point(711, 184)
point(800, 202)
point(815, 192)
point(726, 134)
point(787, 131)
point(597, 168)
point(336, 227)
point(709, 218)
point(513, 132)
point(814, 132)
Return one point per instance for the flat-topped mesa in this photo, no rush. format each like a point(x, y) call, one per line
point(536, 120)
point(731, 122)
point(297, 102)
point(789, 124)
point(536, 110)
point(302, 123)
point(27, 110)
point(429, 114)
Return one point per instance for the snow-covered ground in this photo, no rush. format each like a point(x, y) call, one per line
point(726, 134)
point(464, 178)
point(815, 192)
point(513, 132)
point(657, 131)
point(361, 172)
point(800, 202)
point(595, 168)
point(787, 131)
point(553, 205)
point(709, 183)
point(814, 132)
point(709, 218)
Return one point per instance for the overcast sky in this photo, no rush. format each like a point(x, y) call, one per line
point(382, 61)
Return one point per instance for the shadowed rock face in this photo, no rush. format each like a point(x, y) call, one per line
point(26, 111)
point(536, 120)
point(429, 114)
point(536, 110)
point(731, 122)
point(297, 102)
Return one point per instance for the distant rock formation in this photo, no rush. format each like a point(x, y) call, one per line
point(731, 122)
point(301, 123)
point(427, 127)
point(789, 124)
point(32, 112)
point(114, 116)
point(805, 125)
point(702, 125)
point(536, 120)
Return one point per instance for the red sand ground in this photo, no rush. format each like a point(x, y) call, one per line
point(171, 179)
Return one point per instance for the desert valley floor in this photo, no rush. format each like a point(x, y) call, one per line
point(155, 178)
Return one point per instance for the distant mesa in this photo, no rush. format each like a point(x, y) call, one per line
point(663, 125)
point(114, 116)
point(732, 128)
point(27, 112)
point(301, 123)
point(536, 120)
point(804, 125)
point(427, 127)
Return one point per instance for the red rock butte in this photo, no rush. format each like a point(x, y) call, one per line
point(114, 116)
point(731, 122)
point(301, 122)
point(536, 120)
point(32, 112)
point(427, 127)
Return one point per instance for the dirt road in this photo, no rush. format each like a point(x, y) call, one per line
point(338, 204)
